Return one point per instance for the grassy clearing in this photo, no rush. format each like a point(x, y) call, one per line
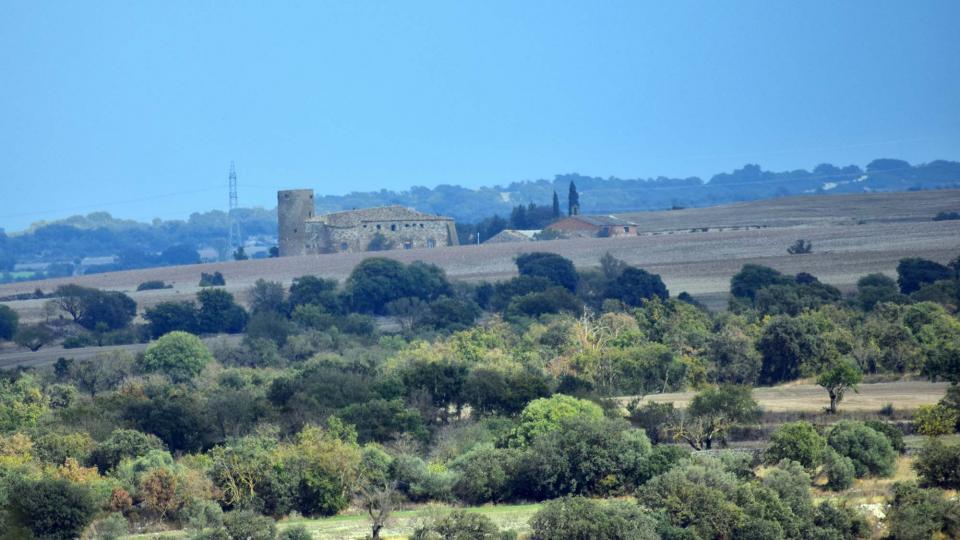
point(349, 526)
point(906, 395)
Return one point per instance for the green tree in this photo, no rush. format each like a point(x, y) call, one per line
point(796, 441)
point(9, 321)
point(268, 296)
point(634, 285)
point(557, 269)
point(843, 375)
point(382, 421)
point(873, 289)
point(179, 355)
point(712, 413)
point(120, 445)
point(544, 415)
point(377, 281)
point(219, 312)
point(52, 509)
point(753, 277)
point(33, 336)
point(167, 317)
point(787, 344)
point(312, 290)
point(914, 272)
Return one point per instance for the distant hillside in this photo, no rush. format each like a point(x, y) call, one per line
point(131, 244)
point(616, 195)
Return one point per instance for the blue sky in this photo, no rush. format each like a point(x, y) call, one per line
point(138, 108)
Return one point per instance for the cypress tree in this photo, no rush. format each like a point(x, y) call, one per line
point(556, 204)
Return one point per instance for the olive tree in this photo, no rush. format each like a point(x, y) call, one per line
point(841, 376)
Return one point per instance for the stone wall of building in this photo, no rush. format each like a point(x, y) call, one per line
point(294, 208)
point(398, 234)
point(302, 233)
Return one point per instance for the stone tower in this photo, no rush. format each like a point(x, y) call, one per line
point(294, 207)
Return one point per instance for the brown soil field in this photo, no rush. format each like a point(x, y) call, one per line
point(700, 263)
point(905, 395)
point(805, 210)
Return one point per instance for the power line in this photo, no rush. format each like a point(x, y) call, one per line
point(111, 203)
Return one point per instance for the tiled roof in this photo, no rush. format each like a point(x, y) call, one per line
point(603, 221)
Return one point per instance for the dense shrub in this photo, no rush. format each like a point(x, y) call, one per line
point(179, 355)
point(584, 456)
point(839, 470)
point(796, 441)
point(918, 514)
point(153, 285)
point(463, 525)
point(247, 525)
point(935, 420)
point(938, 464)
point(576, 518)
point(891, 431)
point(215, 279)
point(486, 474)
point(52, 509)
point(871, 452)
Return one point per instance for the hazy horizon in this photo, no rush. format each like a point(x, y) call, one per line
point(138, 109)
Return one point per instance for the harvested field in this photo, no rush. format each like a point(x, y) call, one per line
point(700, 263)
point(805, 210)
point(904, 395)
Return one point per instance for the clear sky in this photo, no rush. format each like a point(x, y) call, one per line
point(138, 107)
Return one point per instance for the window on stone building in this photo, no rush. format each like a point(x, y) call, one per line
point(343, 246)
point(393, 226)
point(431, 242)
point(626, 229)
point(378, 226)
point(408, 245)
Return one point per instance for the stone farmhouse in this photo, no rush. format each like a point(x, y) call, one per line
point(389, 227)
point(581, 226)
